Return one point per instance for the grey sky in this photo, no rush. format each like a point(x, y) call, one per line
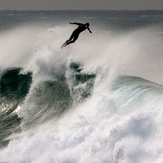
point(81, 4)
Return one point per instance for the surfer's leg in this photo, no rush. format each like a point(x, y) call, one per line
point(73, 39)
point(69, 40)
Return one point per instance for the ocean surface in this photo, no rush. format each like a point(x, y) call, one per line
point(99, 100)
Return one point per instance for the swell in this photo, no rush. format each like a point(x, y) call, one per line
point(118, 120)
point(133, 93)
point(26, 104)
point(82, 114)
point(13, 90)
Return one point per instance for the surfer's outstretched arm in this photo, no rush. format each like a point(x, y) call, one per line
point(89, 30)
point(76, 23)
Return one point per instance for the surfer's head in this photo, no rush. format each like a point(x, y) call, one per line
point(87, 24)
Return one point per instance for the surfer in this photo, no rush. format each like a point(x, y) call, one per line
point(74, 36)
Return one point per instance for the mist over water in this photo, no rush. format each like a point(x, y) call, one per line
point(98, 100)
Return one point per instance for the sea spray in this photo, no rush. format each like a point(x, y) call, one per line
point(111, 110)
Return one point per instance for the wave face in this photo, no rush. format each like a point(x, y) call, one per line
point(98, 100)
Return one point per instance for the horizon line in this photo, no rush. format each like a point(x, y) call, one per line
point(82, 10)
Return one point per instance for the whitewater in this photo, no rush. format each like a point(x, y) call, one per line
point(99, 100)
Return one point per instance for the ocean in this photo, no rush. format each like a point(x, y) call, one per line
point(99, 100)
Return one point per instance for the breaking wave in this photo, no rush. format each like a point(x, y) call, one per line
point(98, 100)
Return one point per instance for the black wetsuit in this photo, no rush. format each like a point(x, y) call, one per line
point(74, 36)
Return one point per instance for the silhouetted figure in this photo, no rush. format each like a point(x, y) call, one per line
point(74, 36)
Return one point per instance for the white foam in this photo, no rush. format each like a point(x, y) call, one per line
point(95, 131)
point(105, 127)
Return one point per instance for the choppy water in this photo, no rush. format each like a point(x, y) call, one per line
point(98, 100)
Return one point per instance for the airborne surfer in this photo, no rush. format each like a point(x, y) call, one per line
point(74, 36)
